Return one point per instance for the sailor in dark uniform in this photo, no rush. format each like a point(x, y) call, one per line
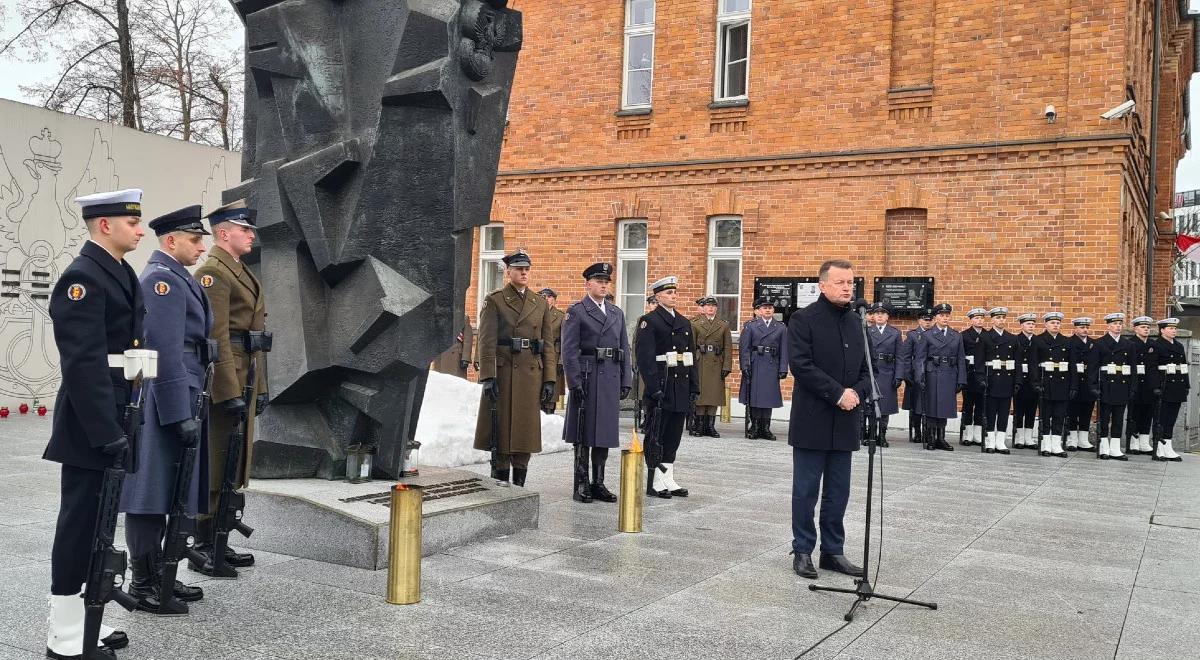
point(1085, 361)
point(940, 354)
point(1055, 383)
point(971, 432)
point(907, 371)
point(665, 358)
point(1000, 374)
point(1141, 407)
point(886, 343)
point(1114, 385)
point(1171, 384)
point(97, 311)
point(1025, 398)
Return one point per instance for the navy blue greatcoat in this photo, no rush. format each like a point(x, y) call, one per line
point(763, 353)
point(942, 364)
point(660, 332)
point(584, 329)
point(827, 356)
point(907, 371)
point(885, 351)
point(177, 316)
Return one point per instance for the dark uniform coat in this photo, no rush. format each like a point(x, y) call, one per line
point(906, 370)
point(1170, 369)
point(455, 359)
point(1144, 370)
point(1052, 366)
point(942, 366)
point(714, 355)
point(1115, 376)
point(177, 326)
point(827, 356)
point(1027, 366)
point(584, 329)
point(556, 321)
point(659, 333)
point(506, 315)
point(97, 310)
point(1085, 360)
point(999, 364)
point(238, 305)
point(885, 350)
point(973, 350)
point(763, 353)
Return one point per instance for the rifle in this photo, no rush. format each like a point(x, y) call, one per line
point(581, 450)
point(746, 415)
point(230, 503)
point(106, 568)
point(177, 537)
point(654, 444)
point(494, 441)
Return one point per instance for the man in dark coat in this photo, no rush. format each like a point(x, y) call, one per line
point(596, 362)
point(1085, 361)
point(763, 359)
point(666, 359)
point(907, 371)
point(1000, 372)
point(829, 362)
point(178, 320)
point(639, 386)
point(941, 356)
point(886, 343)
point(97, 311)
point(1141, 407)
point(971, 430)
point(1171, 383)
point(1025, 398)
point(1055, 383)
point(1115, 384)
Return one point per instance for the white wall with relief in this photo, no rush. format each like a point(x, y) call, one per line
point(47, 159)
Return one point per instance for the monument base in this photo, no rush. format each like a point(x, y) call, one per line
point(344, 523)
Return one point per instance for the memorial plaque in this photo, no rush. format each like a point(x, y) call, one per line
point(906, 296)
point(791, 294)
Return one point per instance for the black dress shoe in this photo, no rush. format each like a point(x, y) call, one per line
point(840, 564)
point(238, 559)
point(803, 566)
point(679, 492)
point(942, 445)
point(117, 640)
point(602, 493)
point(101, 652)
point(665, 494)
point(583, 493)
point(185, 593)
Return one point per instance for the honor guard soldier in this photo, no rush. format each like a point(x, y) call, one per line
point(665, 358)
point(910, 373)
point(1085, 361)
point(1171, 386)
point(885, 350)
point(714, 362)
point(239, 312)
point(1141, 407)
point(97, 311)
point(1025, 398)
point(639, 385)
point(998, 365)
point(455, 360)
point(1115, 384)
point(971, 432)
point(762, 354)
point(941, 355)
point(556, 321)
point(596, 361)
point(1055, 382)
point(517, 368)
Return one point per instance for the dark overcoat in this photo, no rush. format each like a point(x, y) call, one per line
point(1085, 360)
point(714, 355)
point(1144, 371)
point(941, 355)
point(827, 356)
point(973, 350)
point(1114, 377)
point(1170, 369)
point(999, 363)
point(97, 310)
point(1027, 368)
point(584, 329)
point(1054, 370)
point(660, 332)
point(906, 370)
point(886, 345)
point(763, 353)
point(178, 320)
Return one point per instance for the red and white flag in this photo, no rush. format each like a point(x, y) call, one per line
point(1189, 247)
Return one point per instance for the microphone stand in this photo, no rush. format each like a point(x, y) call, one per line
point(863, 590)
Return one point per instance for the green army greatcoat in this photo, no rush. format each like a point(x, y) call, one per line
point(714, 354)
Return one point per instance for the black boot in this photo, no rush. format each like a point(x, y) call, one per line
point(599, 490)
point(765, 427)
point(751, 424)
point(693, 425)
point(582, 490)
point(915, 424)
point(941, 438)
point(143, 582)
point(181, 591)
point(500, 474)
point(928, 436)
point(518, 476)
point(712, 427)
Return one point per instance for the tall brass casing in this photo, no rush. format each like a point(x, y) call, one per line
point(404, 555)
point(633, 495)
point(726, 413)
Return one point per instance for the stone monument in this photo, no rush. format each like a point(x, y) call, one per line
point(372, 138)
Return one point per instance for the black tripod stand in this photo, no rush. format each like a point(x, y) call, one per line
point(863, 589)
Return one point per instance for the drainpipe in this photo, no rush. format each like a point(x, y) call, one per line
point(1152, 220)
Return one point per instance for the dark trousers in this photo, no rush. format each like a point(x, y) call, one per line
point(1111, 421)
point(706, 410)
point(996, 418)
point(972, 408)
point(827, 474)
point(1024, 410)
point(72, 549)
point(144, 533)
point(1054, 416)
point(519, 460)
point(672, 433)
point(1140, 415)
point(1080, 415)
point(761, 416)
point(1167, 415)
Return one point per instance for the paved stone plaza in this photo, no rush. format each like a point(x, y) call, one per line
point(1027, 558)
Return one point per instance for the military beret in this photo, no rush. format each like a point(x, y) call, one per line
point(600, 271)
point(1028, 316)
point(548, 293)
point(942, 308)
point(1168, 322)
point(998, 311)
point(111, 204)
point(763, 302)
point(1081, 321)
point(1052, 316)
point(1114, 317)
point(669, 282)
point(518, 259)
point(977, 311)
point(185, 219)
point(1143, 320)
point(236, 212)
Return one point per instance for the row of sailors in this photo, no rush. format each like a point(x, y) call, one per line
point(1050, 376)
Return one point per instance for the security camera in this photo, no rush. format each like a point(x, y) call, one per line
point(1119, 111)
point(1051, 114)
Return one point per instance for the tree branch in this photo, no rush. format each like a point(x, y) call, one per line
point(72, 66)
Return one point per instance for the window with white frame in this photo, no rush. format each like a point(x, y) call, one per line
point(725, 266)
point(491, 260)
point(639, 54)
point(733, 49)
point(632, 243)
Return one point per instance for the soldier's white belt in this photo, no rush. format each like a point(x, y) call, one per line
point(1055, 366)
point(674, 359)
point(1006, 365)
point(971, 360)
point(135, 361)
point(1113, 369)
point(1173, 368)
point(1080, 367)
point(1141, 370)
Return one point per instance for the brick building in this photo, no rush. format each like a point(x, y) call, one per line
point(723, 140)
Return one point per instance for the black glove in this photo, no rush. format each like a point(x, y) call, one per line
point(981, 383)
point(1095, 393)
point(491, 388)
point(745, 375)
point(1071, 393)
point(1158, 391)
point(783, 375)
point(693, 397)
point(260, 403)
point(116, 447)
point(463, 364)
point(725, 374)
point(547, 392)
point(234, 406)
point(576, 394)
point(187, 432)
point(896, 383)
point(658, 396)
point(958, 387)
point(1037, 387)
point(625, 392)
